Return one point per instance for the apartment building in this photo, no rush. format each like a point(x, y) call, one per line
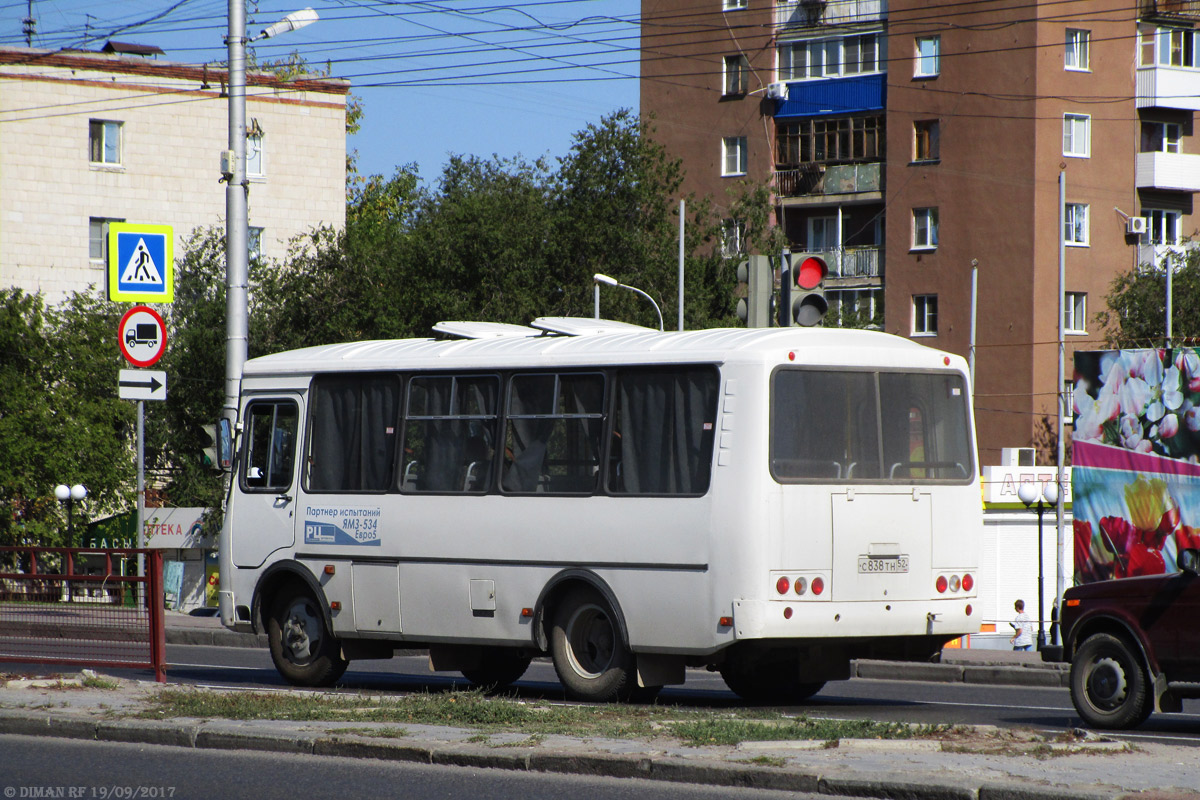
point(917, 143)
point(90, 138)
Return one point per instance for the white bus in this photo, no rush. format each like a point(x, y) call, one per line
point(768, 503)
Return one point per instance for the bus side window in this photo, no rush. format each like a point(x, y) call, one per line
point(450, 434)
point(271, 445)
point(552, 440)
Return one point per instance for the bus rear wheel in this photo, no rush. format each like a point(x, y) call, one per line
point(768, 681)
point(499, 668)
point(590, 656)
point(304, 651)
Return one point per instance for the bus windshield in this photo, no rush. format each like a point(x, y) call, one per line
point(866, 426)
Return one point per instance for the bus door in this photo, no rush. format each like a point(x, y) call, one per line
point(264, 507)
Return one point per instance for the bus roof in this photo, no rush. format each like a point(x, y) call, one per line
point(816, 346)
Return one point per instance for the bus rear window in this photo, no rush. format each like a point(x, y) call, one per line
point(847, 426)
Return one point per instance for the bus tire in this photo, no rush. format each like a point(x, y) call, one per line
point(768, 682)
point(590, 656)
point(499, 668)
point(304, 651)
point(1109, 685)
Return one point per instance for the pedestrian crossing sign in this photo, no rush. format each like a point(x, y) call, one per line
point(141, 263)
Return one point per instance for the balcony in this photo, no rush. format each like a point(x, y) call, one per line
point(1168, 87)
point(1156, 254)
point(1177, 172)
point(855, 262)
point(829, 179)
point(1169, 9)
point(809, 13)
point(814, 98)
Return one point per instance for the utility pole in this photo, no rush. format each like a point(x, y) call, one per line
point(29, 24)
point(237, 250)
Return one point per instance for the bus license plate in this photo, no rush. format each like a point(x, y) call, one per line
point(880, 565)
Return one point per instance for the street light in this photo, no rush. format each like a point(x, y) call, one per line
point(1028, 492)
point(237, 221)
point(607, 281)
point(70, 495)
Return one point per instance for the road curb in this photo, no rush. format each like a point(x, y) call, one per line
point(671, 769)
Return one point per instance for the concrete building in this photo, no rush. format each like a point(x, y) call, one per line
point(91, 138)
point(908, 140)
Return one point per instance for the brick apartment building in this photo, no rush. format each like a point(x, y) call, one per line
point(908, 139)
point(89, 138)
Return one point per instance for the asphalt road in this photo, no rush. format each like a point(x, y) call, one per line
point(1046, 709)
point(41, 767)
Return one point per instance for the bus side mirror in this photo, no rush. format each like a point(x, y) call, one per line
point(1189, 561)
point(225, 444)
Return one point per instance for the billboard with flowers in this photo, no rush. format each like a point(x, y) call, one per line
point(1135, 461)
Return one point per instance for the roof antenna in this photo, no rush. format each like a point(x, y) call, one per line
point(29, 25)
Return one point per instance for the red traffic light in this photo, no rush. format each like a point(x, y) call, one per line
point(811, 272)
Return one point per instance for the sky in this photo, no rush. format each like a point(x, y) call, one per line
point(451, 77)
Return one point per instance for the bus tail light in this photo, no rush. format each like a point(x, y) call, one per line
point(818, 585)
point(955, 583)
point(782, 585)
point(801, 585)
point(968, 583)
point(942, 584)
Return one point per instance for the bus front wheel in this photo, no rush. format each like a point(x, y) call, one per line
point(590, 656)
point(304, 651)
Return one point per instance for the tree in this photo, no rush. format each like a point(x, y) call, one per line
point(1136, 313)
point(60, 418)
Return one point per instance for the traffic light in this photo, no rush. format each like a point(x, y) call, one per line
point(209, 453)
point(808, 295)
point(755, 308)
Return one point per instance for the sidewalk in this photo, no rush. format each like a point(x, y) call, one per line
point(957, 666)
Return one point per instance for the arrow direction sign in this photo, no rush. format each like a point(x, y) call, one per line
point(142, 384)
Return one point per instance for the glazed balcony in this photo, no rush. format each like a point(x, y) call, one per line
point(810, 13)
point(1176, 172)
point(1162, 86)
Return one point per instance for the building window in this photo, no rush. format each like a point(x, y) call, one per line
point(737, 75)
point(98, 237)
point(1075, 312)
point(732, 234)
point(928, 52)
point(1163, 225)
point(1162, 137)
point(1076, 57)
point(926, 136)
point(254, 240)
point(925, 229)
point(733, 155)
point(830, 58)
point(734, 5)
point(1077, 140)
point(1176, 47)
point(925, 314)
point(1076, 228)
point(829, 141)
point(255, 161)
point(104, 142)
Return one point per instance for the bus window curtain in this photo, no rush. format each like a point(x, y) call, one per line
point(335, 453)
point(665, 447)
point(528, 436)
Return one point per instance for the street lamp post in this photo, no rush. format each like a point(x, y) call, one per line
point(1028, 493)
point(237, 223)
point(70, 495)
point(607, 281)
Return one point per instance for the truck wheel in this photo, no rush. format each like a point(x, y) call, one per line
point(592, 660)
point(769, 682)
point(499, 667)
point(304, 651)
point(1109, 685)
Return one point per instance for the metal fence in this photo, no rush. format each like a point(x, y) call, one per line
point(82, 606)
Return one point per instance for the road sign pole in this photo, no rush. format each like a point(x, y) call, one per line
point(141, 496)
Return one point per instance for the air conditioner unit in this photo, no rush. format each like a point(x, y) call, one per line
point(1017, 457)
point(777, 90)
point(1136, 225)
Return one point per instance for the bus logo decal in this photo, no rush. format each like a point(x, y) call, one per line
point(341, 526)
